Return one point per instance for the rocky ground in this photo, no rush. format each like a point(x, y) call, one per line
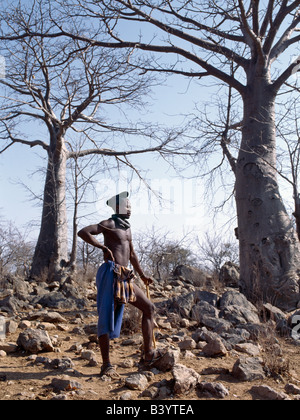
point(217, 345)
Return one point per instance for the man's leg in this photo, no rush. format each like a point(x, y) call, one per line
point(107, 368)
point(104, 347)
point(146, 306)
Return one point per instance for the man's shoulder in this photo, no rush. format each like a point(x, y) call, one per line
point(109, 223)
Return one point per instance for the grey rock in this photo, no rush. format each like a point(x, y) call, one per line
point(249, 348)
point(273, 313)
point(203, 309)
point(87, 354)
point(230, 275)
point(237, 309)
point(292, 389)
point(215, 347)
point(239, 315)
point(65, 383)
point(267, 393)
point(35, 341)
point(248, 369)
point(168, 361)
point(45, 316)
point(60, 300)
point(137, 381)
point(125, 396)
point(204, 296)
point(213, 389)
point(218, 325)
point(194, 275)
point(233, 297)
point(185, 378)
point(183, 304)
point(188, 344)
point(11, 326)
point(12, 304)
point(8, 347)
point(61, 364)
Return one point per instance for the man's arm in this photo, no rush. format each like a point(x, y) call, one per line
point(88, 235)
point(136, 265)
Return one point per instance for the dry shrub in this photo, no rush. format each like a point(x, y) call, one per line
point(275, 364)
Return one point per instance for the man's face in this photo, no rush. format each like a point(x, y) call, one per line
point(125, 208)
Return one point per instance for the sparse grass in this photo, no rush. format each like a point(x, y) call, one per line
point(275, 364)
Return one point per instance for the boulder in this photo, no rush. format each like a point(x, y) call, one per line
point(62, 300)
point(204, 296)
point(249, 348)
point(197, 277)
point(137, 381)
point(45, 316)
point(248, 369)
point(65, 383)
point(230, 275)
point(187, 344)
point(183, 304)
point(8, 348)
point(292, 389)
point(267, 393)
point(185, 378)
point(213, 389)
point(202, 310)
point(214, 347)
point(168, 361)
point(236, 309)
point(12, 304)
point(35, 341)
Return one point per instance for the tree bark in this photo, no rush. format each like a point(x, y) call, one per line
point(296, 214)
point(269, 248)
point(51, 252)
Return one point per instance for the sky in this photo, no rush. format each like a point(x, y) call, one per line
point(185, 206)
point(181, 208)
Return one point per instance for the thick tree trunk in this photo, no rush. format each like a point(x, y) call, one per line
point(51, 252)
point(269, 247)
point(296, 213)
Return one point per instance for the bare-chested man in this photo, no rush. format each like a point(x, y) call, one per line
point(118, 249)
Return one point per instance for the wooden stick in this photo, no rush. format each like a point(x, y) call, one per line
point(153, 334)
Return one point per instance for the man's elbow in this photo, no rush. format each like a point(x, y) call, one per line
point(81, 233)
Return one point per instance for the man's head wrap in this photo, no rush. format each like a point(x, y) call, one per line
point(117, 202)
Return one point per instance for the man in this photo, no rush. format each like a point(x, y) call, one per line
point(118, 252)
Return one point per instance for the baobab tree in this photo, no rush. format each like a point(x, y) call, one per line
point(64, 87)
point(206, 38)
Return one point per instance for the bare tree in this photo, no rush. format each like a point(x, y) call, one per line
point(205, 38)
point(160, 254)
point(216, 252)
point(15, 251)
point(289, 153)
point(63, 86)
